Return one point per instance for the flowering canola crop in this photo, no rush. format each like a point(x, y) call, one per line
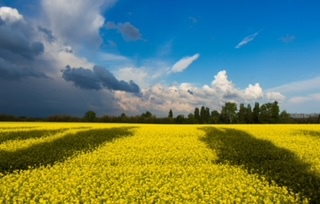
point(122, 163)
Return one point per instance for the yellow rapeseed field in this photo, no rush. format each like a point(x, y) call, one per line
point(126, 163)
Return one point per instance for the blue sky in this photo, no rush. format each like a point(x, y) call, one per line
point(67, 57)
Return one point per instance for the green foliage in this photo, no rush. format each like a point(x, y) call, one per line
point(90, 116)
point(147, 114)
point(269, 113)
point(284, 117)
point(180, 119)
point(197, 115)
point(170, 115)
point(256, 113)
point(215, 117)
point(228, 113)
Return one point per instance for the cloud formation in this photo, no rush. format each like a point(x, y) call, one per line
point(31, 53)
point(127, 30)
point(76, 21)
point(247, 39)
point(184, 63)
point(10, 15)
point(97, 78)
point(19, 46)
point(184, 97)
point(11, 71)
point(38, 97)
point(48, 33)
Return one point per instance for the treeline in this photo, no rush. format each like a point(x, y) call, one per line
point(268, 113)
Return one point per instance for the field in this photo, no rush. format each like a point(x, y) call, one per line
point(124, 163)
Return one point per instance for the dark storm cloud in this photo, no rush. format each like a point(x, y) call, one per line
point(48, 33)
point(38, 97)
point(10, 71)
point(97, 79)
point(18, 51)
point(82, 78)
point(16, 40)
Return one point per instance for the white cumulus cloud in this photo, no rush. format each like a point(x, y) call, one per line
point(253, 92)
point(184, 97)
point(10, 15)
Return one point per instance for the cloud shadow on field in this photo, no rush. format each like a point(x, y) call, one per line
point(312, 133)
point(262, 157)
point(60, 149)
point(27, 134)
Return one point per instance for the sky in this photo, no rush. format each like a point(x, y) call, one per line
point(121, 56)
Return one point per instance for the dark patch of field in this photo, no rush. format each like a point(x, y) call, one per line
point(60, 149)
point(27, 134)
point(262, 157)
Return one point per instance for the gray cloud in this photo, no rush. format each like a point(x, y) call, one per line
point(10, 71)
point(63, 18)
point(82, 78)
point(97, 78)
point(48, 33)
point(111, 25)
point(28, 59)
point(18, 47)
point(127, 30)
point(17, 40)
point(35, 97)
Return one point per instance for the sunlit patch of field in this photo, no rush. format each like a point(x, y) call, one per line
point(125, 163)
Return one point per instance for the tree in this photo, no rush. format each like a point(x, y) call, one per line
point(256, 112)
point(269, 113)
point(202, 114)
point(264, 115)
point(170, 115)
point(275, 110)
point(147, 114)
point(197, 114)
point(249, 114)
point(207, 115)
point(284, 117)
point(191, 119)
point(123, 118)
point(242, 114)
point(180, 119)
point(90, 116)
point(228, 112)
point(215, 117)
